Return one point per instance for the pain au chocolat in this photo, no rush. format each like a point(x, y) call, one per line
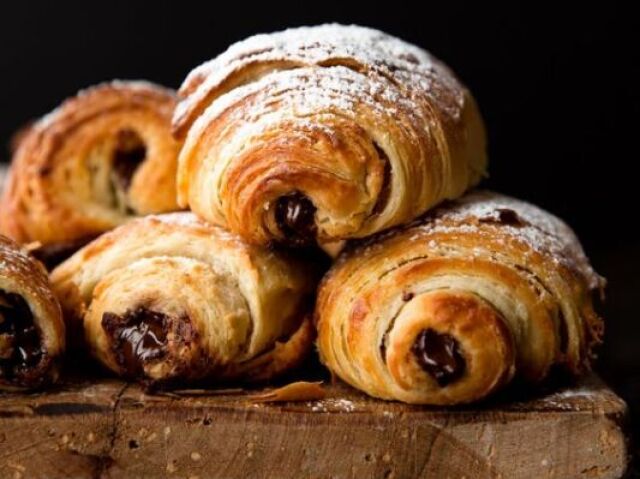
point(320, 134)
point(101, 158)
point(451, 307)
point(170, 299)
point(32, 332)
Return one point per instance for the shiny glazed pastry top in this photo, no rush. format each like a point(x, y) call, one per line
point(450, 308)
point(99, 159)
point(324, 133)
point(32, 333)
point(171, 299)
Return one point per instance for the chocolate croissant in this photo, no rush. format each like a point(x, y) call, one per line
point(32, 333)
point(102, 157)
point(324, 133)
point(170, 299)
point(448, 309)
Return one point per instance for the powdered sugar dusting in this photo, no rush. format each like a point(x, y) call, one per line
point(370, 53)
point(332, 405)
point(308, 91)
point(182, 218)
point(575, 399)
point(523, 221)
point(585, 393)
point(318, 43)
point(517, 220)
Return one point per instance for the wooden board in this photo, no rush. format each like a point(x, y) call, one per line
point(114, 430)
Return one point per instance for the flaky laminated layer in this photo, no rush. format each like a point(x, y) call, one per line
point(99, 159)
point(363, 49)
point(518, 220)
point(371, 130)
point(229, 309)
point(497, 286)
point(23, 277)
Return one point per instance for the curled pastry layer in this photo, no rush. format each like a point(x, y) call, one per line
point(449, 308)
point(170, 298)
point(102, 157)
point(32, 333)
point(324, 133)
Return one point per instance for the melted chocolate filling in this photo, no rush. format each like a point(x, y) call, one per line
point(385, 191)
point(138, 336)
point(130, 151)
point(20, 341)
point(439, 355)
point(295, 216)
point(506, 216)
point(407, 296)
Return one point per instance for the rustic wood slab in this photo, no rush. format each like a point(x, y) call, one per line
point(110, 429)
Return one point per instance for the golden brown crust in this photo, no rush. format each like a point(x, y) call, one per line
point(285, 356)
point(102, 157)
point(206, 305)
point(501, 285)
point(370, 131)
point(32, 333)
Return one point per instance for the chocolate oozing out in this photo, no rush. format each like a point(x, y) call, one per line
point(20, 341)
point(439, 355)
point(509, 217)
point(383, 350)
point(385, 191)
point(506, 216)
point(138, 336)
point(295, 216)
point(129, 152)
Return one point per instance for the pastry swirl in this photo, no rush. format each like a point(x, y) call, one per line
point(32, 333)
point(169, 298)
point(448, 309)
point(102, 157)
point(322, 134)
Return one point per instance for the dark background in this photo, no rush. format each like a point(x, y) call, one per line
point(558, 89)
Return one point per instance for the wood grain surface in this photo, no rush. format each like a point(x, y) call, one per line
point(115, 430)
